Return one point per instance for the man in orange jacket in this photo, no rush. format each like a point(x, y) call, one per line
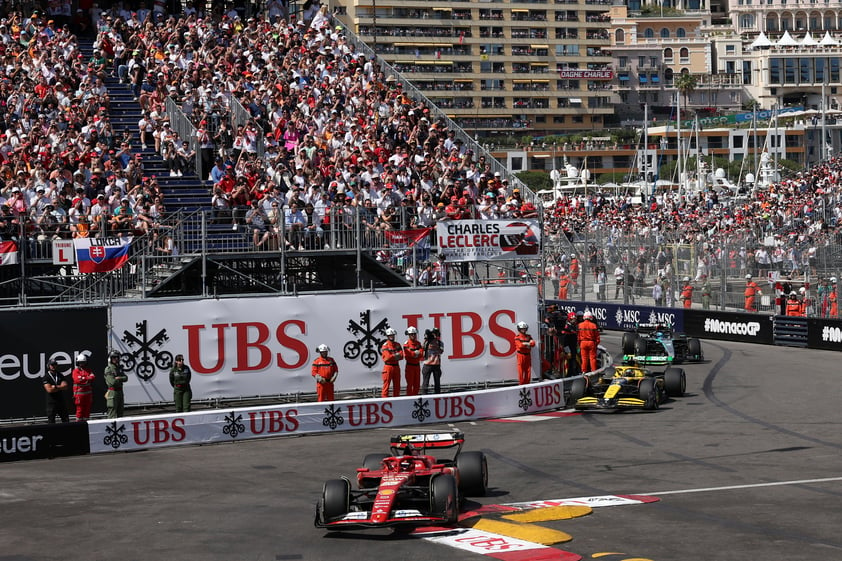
point(325, 371)
point(83, 378)
point(413, 351)
point(574, 273)
point(524, 343)
point(793, 306)
point(687, 293)
point(563, 284)
point(832, 299)
point(588, 341)
point(392, 355)
point(751, 293)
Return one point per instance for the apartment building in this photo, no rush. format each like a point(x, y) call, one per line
point(513, 67)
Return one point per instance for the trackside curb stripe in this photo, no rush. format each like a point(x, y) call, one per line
point(500, 547)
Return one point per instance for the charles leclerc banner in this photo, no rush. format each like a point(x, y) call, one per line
point(488, 240)
point(229, 425)
point(243, 347)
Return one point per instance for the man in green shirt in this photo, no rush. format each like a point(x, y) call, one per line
point(114, 380)
point(180, 381)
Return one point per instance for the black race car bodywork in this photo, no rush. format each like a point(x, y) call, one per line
point(407, 488)
point(629, 387)
point(658, 344)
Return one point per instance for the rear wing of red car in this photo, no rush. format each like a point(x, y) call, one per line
point(418, 443)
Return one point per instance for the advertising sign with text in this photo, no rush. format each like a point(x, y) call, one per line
point(266, 345)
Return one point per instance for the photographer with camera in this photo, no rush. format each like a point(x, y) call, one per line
point(433, 349)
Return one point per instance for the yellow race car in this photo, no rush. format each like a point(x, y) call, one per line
point(627, 387)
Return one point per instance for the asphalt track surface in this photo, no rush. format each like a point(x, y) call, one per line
point(747, 466)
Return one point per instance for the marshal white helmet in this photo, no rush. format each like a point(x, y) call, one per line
point(391, 332)
point(587, 315)
point(833, 280)
point(686, 279)
point(522, 325)
point(323, 348)
point(802, 290)
point(411, 331)
point(748, 276)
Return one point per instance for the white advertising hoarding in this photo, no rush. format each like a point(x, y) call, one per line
point(228, 425)
point(263, 346)
point(488, 240)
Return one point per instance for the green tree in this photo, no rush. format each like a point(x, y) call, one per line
point(686, 84)
point(535, 180)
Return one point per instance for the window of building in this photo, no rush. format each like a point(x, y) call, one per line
point(623, 62)
point(665, 33)
point(680, 33)
point(620, 36)
point(684, 55)
point(730, 49)
point(668, 55)
point(517, 163)
point(649, 33)
point(747, 73)
point(641, 61)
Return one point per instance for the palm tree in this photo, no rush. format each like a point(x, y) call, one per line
point(686, 83)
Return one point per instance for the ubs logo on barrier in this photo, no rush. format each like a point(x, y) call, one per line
point(234, 425)
point(146, 354)
point(333, 417)
point(421, 409)
point(524, 399)
point(115, 436)
point(367, 343)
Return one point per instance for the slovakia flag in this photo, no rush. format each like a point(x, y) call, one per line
point(100, 255)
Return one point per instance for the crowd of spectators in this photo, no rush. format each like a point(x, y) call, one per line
point(64, 170)
point(790, 230)
point(339, 139)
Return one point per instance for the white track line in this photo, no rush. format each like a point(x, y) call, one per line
point(749, 486)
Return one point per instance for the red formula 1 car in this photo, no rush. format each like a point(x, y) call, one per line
point(407, 488)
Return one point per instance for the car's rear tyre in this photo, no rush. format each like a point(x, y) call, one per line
point(694, 349)
point(374, 462)
point(640, 346)
point(649, 394)
point(336, 499)
point(675, 381)
point(473, 474)
point(628, 344)
point(444, 498)
point(578, 389)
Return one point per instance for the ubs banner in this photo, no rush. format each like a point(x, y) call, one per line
point(623, 318)
point(824, 334)
point(31, 338)
point(730, 326)
point(266, 345)
point(34, 442)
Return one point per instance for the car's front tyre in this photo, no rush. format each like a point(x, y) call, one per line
point(444, 498)
point(473, 473)
point(336, 499)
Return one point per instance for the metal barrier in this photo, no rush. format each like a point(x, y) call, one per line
point(181, 124)
point(240, 117)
